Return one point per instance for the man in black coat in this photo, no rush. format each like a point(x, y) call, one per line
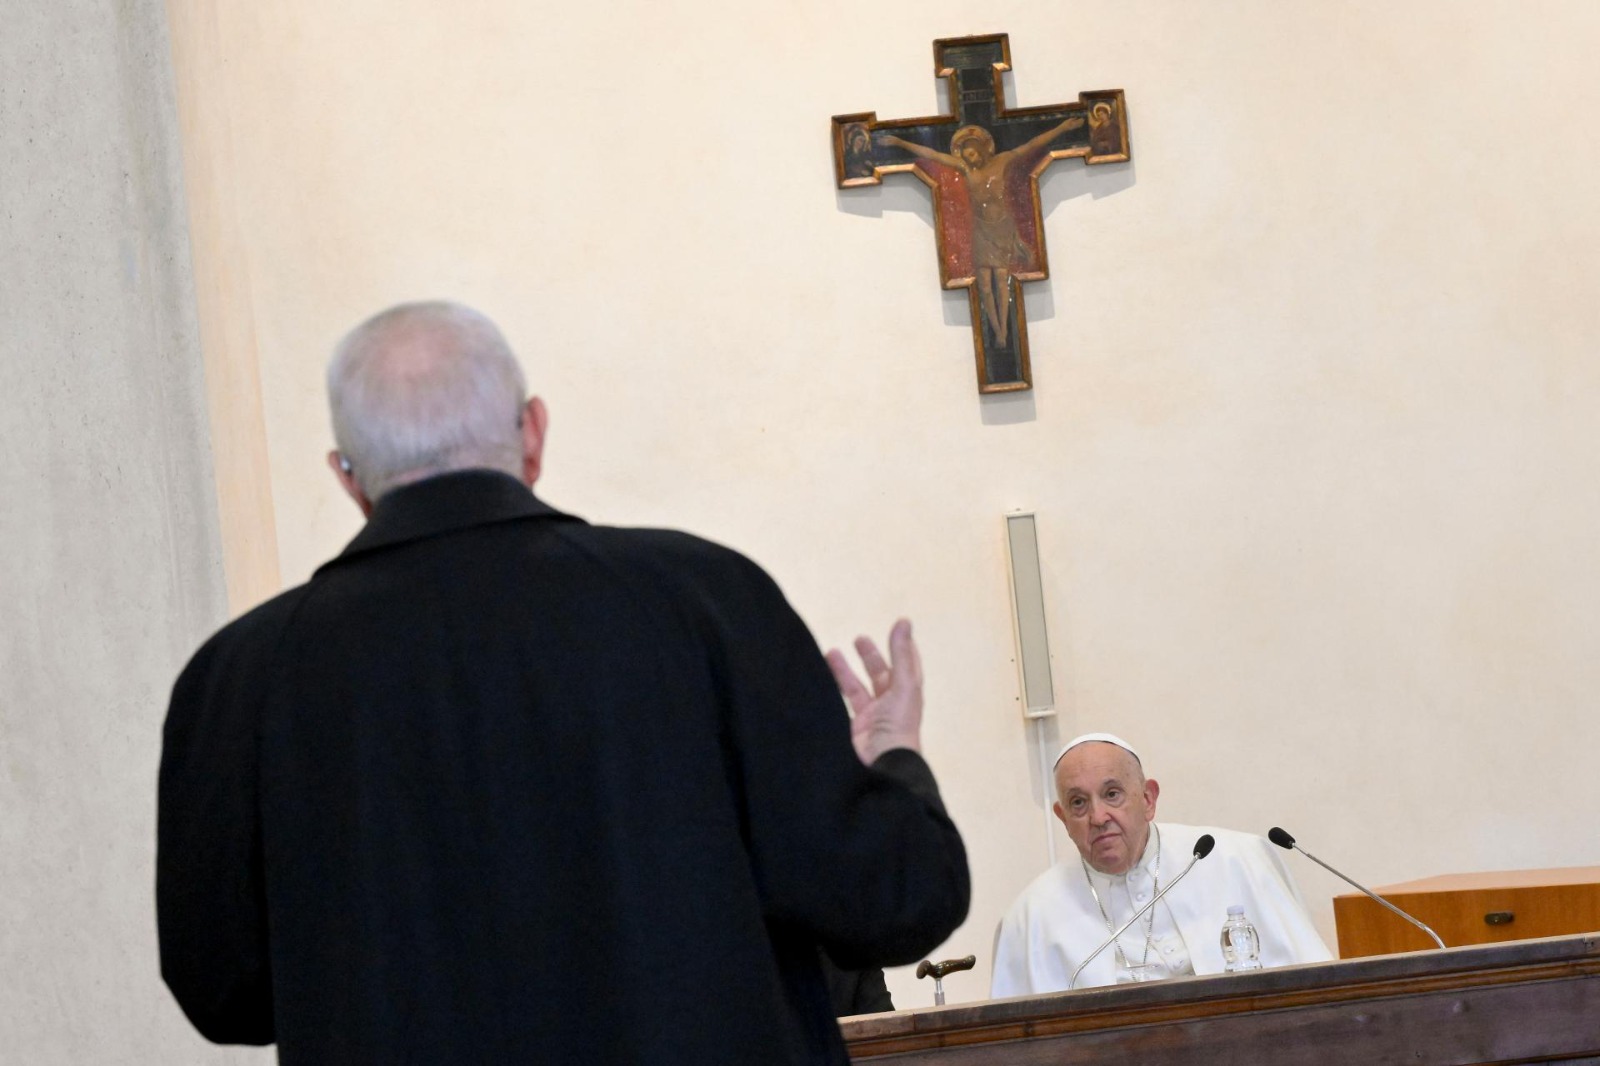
point(498, 786)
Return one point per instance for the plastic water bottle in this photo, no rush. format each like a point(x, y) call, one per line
point(1241, 947)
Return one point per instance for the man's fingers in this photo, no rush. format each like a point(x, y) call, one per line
point(877, 668)
point(903, 651)
point(855, 693)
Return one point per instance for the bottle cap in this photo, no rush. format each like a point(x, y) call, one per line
point(1236, 911)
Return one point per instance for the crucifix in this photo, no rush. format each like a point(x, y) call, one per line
point(982, 165)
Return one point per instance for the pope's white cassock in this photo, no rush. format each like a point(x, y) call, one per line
point(1071, 909)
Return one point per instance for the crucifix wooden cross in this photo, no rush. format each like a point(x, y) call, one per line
point(982, 164)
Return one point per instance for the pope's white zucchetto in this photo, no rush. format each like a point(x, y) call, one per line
point(1098, 738)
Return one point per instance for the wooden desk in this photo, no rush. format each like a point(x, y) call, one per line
point(1532, 1001)
point(1486, 908)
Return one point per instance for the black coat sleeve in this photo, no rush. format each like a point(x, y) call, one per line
point(210, 892)
point(864, 861)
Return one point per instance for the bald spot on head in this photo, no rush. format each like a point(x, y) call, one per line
point(407, 345)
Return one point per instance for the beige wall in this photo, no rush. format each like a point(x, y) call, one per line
point(111, 569)
point(1314, 439)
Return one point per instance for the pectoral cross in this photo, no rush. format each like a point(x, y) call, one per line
point(982, 164)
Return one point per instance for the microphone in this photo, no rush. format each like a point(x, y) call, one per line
point(1202, 848)
point(1285, 841)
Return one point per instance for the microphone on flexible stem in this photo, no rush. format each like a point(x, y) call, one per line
point(1202, 848)
point(1285, 841)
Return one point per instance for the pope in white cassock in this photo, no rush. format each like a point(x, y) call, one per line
point(1124, 858)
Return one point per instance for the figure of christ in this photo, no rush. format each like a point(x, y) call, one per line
point(997, 249)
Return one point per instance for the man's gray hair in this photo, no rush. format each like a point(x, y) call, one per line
point(422, 389)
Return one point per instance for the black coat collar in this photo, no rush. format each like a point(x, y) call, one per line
point(444, 504)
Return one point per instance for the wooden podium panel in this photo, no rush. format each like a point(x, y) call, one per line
point(1536, 1001)
point(1486, 908)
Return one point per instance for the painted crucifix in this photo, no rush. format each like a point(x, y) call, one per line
point(982, 164)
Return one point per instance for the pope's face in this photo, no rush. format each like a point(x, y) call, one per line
point(1106, 805)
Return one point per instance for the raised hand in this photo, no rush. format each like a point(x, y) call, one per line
point(889, 714)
